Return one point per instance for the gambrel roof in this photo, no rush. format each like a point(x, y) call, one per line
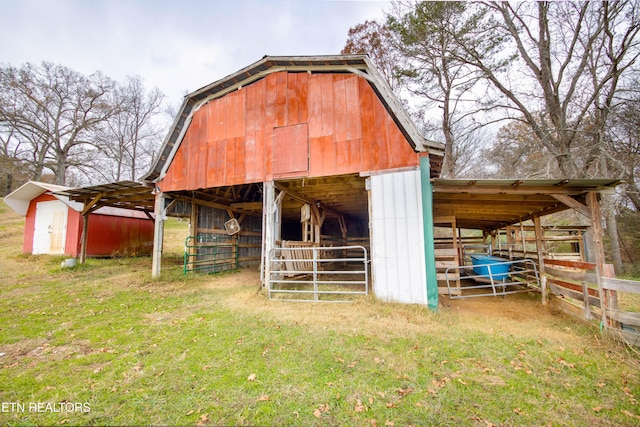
point(359, 65)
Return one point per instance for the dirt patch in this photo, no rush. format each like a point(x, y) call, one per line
point(521, 315)
point(40, 348)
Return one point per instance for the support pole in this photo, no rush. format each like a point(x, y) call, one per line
point(268, 224)
point(540, 250)
point(427, 227)
point(597, 231)
point(158, 235)
point(84, 237)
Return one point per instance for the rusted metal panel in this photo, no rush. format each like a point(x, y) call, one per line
point(239, 138)
point(291, 150)
point(118, 236)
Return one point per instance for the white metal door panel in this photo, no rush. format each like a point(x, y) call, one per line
point(50, 228)
point(397, 239)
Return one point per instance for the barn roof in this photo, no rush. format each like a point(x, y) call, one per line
point(354, 64)
point(495, 203)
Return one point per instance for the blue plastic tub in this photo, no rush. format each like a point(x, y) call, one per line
point(499, 268)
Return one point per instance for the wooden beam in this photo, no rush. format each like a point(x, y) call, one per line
point(247, 206)
point(573, 203)
point(327, 209)
point(211, 204)
point(88, 207)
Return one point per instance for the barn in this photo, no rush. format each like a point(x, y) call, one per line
point(309, 169)
point(53, 224)
point(302, 154)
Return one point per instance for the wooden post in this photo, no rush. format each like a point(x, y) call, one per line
point(540, 250)
point(510, 242)
point(84, 237)
point(598, 250)
point(524, 240)
point(158, 235)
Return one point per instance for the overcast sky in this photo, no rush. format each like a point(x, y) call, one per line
point(175, 45)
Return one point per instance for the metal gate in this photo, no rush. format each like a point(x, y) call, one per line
point(312, 273)
point(522, 276)
point(210, 254)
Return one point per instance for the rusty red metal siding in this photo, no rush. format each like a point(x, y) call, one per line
point(119, 236)
point(243, 136)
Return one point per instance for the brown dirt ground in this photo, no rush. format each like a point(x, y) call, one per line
point(521, 315)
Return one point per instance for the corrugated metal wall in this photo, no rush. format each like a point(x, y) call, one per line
point(397, 241)
point(288, 124)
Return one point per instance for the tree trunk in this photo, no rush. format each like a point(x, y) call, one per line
point(61, 170)
point(612, 231)
point(612, 222)
point(9, 183)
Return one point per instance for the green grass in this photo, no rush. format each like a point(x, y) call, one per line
point(212, 350)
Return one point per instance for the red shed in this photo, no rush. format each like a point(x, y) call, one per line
point(53, 224)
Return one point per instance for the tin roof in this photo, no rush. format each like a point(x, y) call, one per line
point(123, 195)
point(494, 203)
point(354, 64)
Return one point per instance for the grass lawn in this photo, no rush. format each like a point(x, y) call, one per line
point(104, 344)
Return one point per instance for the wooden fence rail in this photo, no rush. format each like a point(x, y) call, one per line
point(574, 290)
point(626, 323)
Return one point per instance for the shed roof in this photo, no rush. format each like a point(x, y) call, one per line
point(19, 199)
point(354, 64)
point(494, 203)
point(123, 195)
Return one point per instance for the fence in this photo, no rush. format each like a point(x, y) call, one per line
point(302, 272)
point(210, 253)
point(574, 289)
point(626, 324)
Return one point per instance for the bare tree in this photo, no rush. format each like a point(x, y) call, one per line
point(571, 57)
point(55, 111)
point(517, 153)
point(128, 138)
point(14, 170)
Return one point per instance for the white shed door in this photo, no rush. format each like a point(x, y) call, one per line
point(50, 228)
point(397, 238)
